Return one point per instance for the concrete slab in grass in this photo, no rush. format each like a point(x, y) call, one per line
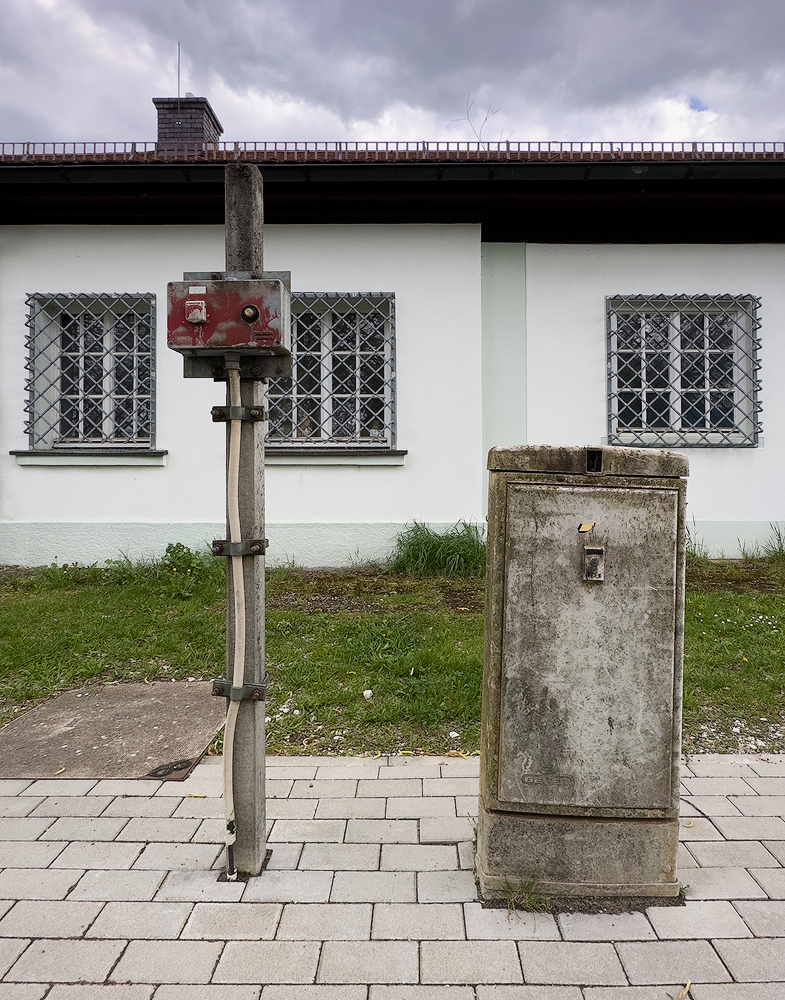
point(57, 961)
point(325, 922)
point(571, 963)
point(168, 962)
point(470, 962)
point(233, 921)
point(698, 919)
point(499, 924)
point(418, 922)
point(268, 962)
point(605, 927)
point(759, 961)
point(369, 962)
point(654, 962)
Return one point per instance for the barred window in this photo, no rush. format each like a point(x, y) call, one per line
point(342, 390)
point(91, 371)
point(683, 370)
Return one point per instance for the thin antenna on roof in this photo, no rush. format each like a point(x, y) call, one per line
point(178, 71)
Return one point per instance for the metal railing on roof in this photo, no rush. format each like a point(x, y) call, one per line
point(388, 152)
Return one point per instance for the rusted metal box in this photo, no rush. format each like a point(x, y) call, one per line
point(209, 318)
point(582, 671)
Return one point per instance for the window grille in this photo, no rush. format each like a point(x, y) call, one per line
point(342, 390)
point(91, 373)
point(683, 370)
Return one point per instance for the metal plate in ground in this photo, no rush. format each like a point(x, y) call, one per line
point(113, 731)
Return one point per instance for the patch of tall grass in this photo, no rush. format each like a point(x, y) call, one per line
point(421, 551)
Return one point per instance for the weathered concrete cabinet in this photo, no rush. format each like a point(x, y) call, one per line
point(581, 725)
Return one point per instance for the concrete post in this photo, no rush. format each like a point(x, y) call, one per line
point(244, 222)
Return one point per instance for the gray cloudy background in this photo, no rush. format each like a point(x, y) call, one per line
point(397, 69)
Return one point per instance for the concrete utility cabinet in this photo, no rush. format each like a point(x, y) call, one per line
point(582, 678)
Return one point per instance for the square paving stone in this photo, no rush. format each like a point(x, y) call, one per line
point(665, 962)
point(467, 805)
point(48, 918)
point(71, 805)
point(108, 855)
point(168, 962)
point(197, 857)
point(772, 880)
point(491, 924)
point(418, 857)
point(470, 962)
point(199, 886)
point(207, 993)
point(116, 885)
point(25, 827)
point(759, 961)
point(732, 854)
point(57, 961)
point(284, 808)
point(381, 831)
point(90, 828)
point(722, 883)
point(268, 962)
point(127, 805)
point(140, 920)
point(18, 806)
point(37, 883)
point(371, 887)
point(390, 786)
point(284, 856)
point(698, 919)
point(605, 927)
point(418, 922)
point(568, 963)
point(325, 789)
point(446, 887)
point(233, 921)
point(29, 853)
point(349, 808)
point(369, 962)
point(530, 993)
point(412, 807)
point(150, 828)
point(210, 831)
point(340, 857)
point(765, 918)
point(308, 830)
point(325, 922)
point(751, 827)
point(286, 886)
point(446, 830)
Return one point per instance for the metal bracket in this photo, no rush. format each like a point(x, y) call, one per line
point(223, 414)
point(248, 547)
point(223, 688)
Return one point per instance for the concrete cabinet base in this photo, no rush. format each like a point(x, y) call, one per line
point(576, 857)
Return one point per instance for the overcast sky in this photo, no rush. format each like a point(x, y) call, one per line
point(397, 69)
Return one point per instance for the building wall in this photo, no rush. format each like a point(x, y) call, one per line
point(318, 514)
point(733, 493)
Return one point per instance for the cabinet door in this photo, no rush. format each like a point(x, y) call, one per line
point(588, 648)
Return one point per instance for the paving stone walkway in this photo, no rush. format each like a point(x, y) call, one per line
point(108, 891)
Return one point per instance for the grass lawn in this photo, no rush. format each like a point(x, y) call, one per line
point(415, 643)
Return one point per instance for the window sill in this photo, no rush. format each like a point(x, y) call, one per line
point(85, 457)
point(317, 456)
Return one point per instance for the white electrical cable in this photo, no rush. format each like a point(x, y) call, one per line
point(238, 672)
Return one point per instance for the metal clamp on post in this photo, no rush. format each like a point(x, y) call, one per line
point(248, 547)
point(223, 688)
point(223, 414)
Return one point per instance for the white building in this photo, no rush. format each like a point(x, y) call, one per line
point(445, 300)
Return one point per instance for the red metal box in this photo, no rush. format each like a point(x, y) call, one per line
point(213, 317)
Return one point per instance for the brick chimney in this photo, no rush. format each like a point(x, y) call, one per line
point(186, 124)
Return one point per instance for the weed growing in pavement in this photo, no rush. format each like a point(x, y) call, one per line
point(523, 895)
